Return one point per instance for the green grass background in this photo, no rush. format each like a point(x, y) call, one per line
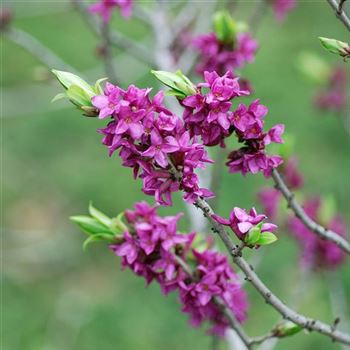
point(58, 297)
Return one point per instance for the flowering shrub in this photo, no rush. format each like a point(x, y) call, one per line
point(165, 151)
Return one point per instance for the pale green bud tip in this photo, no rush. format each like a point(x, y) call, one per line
point(180, 85)
point(286, 329)
point(99, 227)
point(255, 237)
point(225, 27)
point(336, 46)
point(78, 91)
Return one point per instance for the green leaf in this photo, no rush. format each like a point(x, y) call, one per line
point(286, 329)
point(59, 97)
point(99, 216)
point(178, 94)
point(117, 224)
point(90, 225)
point(224, 27)
point(266, 238)
point(335, 46)
point(253, 235)
point(68, 79)
point(78, 96)
point(97, 238)
point(97, 88)
point(178, 82)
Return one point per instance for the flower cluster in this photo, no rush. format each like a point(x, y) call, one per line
point(334, 96)
point(105, 8)
point(241, 222)
point(152, 247)
point(270, 197)
point(316, 252)
point(208, 114)
point(224, 56)
point(152, 141)
point(282, 7)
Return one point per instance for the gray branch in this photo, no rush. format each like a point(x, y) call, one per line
point(117, 39)
point(307, 221)
point(37, 49)
point(270, 298)
point(340, 13)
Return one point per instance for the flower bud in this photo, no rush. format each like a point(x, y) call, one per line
point(336, 46)
point(78, 91)
point(179, 84)
point(253, 235)
point(286, 329)
point(100, 227)
point(224, 27)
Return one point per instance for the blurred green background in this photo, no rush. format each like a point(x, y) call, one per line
point(58, 297)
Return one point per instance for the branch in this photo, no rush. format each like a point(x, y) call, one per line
point(308, 222)
point(107, 53)
point(116, 38)
point(257, 15)
point(270, 298)
point(287, 313)
point(340, 13)
point(37, 49)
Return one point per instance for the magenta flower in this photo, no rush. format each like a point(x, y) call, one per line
point(221, 57)
point(269, 199)
point(104, 8)
point(160, 148)
point(241, 222)
point(151, 249)
point(282, 7)
point(317, 253)
point(334, 97)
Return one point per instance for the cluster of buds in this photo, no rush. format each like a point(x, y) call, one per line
point(104, 8)
point(228, 48)
point(152, 248)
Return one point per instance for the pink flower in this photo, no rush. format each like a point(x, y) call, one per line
point(334, 97)
point(221, 57)
point(316, 252)
point(241, 222)
point(282, 7)
point(151, 249)
point(104, 8)
point(148, 136)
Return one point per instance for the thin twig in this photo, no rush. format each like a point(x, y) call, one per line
point(257, 15)
point(307, 221)
point(340, 13)
point(107, 53)
point(37, 49)
point(117, 39)
point(270, 298)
